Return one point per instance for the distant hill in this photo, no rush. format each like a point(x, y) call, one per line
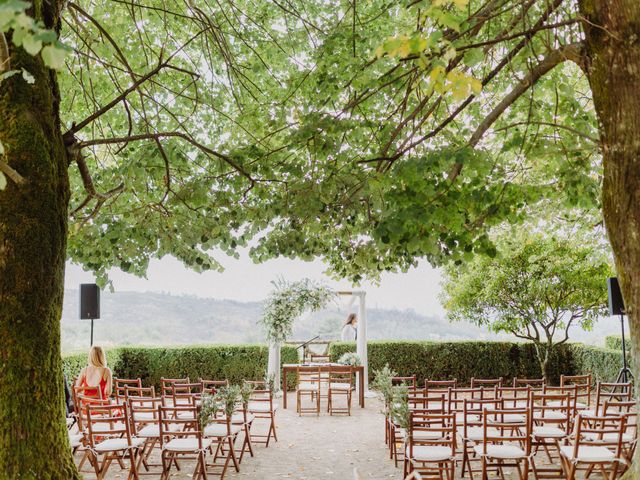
point(135, 318)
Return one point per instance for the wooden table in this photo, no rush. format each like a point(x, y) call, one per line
point(324, 367)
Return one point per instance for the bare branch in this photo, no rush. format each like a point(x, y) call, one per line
point(5, 58)
point(11, 173)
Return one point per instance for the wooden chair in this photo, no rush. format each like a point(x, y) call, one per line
point(244, 419)
point(319, 358)
point(431, 445)
point(309, 384)
point(137, 392)
point(181, 436)
point(534, 383)
point(225, 433)
point(551, 415)
point(210, 387)
point(630, 434)
point(505, 442)
point(262, 406)
point(145, 424)
point(166, 386)
point(571, 390)
point(486, 382)
point(595, 443)
point(583, 386)
point(109, 437)
point(471, 421)
point(340, 385)
point(615, 392)
point(119, 385)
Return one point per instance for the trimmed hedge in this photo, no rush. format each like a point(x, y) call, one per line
point(232, 362)
point(463, 360)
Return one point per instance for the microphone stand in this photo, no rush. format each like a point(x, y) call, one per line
point(304, 348)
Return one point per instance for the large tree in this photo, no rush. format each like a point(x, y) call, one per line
point(369, 133)
point(537, 287)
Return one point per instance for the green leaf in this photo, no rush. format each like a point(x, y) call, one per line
point(28, 77)
point(3, 181)
point(473, 56)
point(54, 56)
point(31, 44)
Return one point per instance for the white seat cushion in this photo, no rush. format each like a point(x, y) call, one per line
point(117, 444)
point(186, 416)
point(588, 453)
point(475, 434)
point(548, 432)
point(422, 434)
point(238, 418)
point(435, 453)
point(143, 416)
point(260, 407)
point(340, 386)
point(75, 439)
point(309, 386)
point(610, 437)
point(506, 452)
point(507, 418)
point(220, 430)
point(186, 444)
point(70, 421)
point(106, 427)
point(549, 414)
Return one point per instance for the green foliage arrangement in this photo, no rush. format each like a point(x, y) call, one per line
point(400, 411)
point(536, 288)
point(208, 410)
point(383, 386)
point(227, 398)
point(463, 360)
point(245, 393)
point(288, 301)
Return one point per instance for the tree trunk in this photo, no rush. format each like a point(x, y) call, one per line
point(33, 229)
point(612, 34)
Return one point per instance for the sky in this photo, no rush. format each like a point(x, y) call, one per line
point(243, 280)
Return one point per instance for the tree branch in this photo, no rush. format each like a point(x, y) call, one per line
point(11, 173)
point(5, 58)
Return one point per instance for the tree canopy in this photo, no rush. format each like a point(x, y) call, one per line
point(536, 288)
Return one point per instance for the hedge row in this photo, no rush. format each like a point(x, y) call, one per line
point(232, 362)
point(464, 360)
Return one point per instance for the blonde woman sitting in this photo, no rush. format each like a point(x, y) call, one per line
point(96, 377)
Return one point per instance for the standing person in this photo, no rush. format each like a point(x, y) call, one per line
point(350, 329)
point(96, 374)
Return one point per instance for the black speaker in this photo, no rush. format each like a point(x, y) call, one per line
point(89, 301)
point(616, 303)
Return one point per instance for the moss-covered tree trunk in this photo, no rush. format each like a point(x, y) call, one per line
point(33, 229)
point(613, 50)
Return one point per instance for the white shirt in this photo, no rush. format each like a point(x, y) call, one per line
point(348, 333)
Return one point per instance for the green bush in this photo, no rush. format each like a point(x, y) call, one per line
point(232, 362)
point(463, 360)
point(614, 342)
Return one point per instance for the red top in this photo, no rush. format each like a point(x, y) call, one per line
point(92, 390)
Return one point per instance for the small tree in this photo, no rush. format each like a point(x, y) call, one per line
point(535, 288)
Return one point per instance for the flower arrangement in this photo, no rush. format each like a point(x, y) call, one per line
point(350, 358)
point(288, 301)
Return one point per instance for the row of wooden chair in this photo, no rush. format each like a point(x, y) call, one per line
point(332, 383)
point(128, 427)
point(443, 397)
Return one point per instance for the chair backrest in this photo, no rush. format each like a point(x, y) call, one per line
point(88, 392)
point(341, 374)
point(210, 387)
point(514, 397)
point(148, 392)
point(616, 392)
point(179, 422)
point(457, 396)
point(120, 385)
point(82, 403)
point(440, 384)
point(571, 390)
point(427, 428)
point(583, 385)
point(143, 411)
point(186, 394)
point(552, 409)
point(166, 385)
point(107, 421)
point(472, 411)
point(436, 403)
point(505, 427)
point(260, 393)
point(311, 376)
point(486, 382)
point(409, 381)
point(534, 383)
point(320, 358)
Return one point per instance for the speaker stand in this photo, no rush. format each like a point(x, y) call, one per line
point(91, 345)
point(625, 374)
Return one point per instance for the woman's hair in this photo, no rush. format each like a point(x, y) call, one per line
point(351, 318)
point(97, 357)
